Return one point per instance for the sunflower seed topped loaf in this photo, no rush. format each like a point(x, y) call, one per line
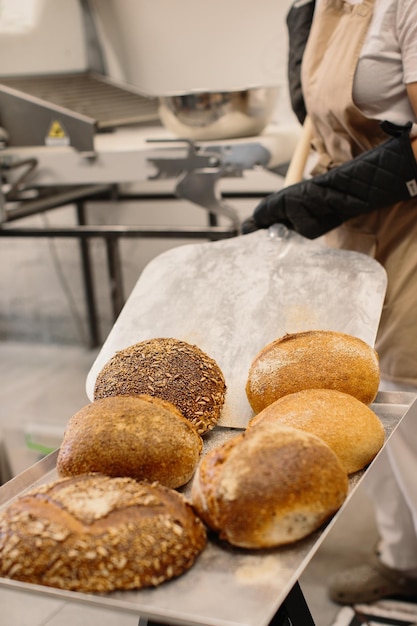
point(171, 369)
point(97, 534)
point(270, 486)
point(313, 359)
point(351, 429)
point(141, 437)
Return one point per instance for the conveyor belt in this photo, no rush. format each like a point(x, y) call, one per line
point(69, 109)
point(91, 95)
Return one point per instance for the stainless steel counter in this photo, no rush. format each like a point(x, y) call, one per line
point(226, 586)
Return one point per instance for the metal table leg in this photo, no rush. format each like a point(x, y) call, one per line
point(88, 279)
point(115, 275)
point(293, 612)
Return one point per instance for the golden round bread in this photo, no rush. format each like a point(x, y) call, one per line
point(313, 359)
point(170, 369)
point(351, 429)
point(269, 486)
point(96, 533)
point(140, 437)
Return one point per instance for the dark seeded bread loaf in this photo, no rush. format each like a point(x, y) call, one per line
point(170, 369)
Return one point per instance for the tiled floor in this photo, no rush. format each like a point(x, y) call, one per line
point(40, 388)
point(21, 609)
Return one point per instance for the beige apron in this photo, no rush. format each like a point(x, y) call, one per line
point(341, 133)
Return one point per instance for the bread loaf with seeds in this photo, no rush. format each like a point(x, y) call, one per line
point(170, 369)
point(98, 534)
point(141, 437)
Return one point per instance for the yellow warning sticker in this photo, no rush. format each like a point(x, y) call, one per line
point(57, 135)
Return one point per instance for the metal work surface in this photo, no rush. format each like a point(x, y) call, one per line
point(226, 586)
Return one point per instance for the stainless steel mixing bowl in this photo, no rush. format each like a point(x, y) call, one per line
point(222, 115)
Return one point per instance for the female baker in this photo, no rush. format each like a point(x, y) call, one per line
point(359, 82)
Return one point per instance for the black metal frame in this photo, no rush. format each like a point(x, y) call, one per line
point(294, 611)
point(110, 234)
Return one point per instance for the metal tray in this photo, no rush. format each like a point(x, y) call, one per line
point(226, 586)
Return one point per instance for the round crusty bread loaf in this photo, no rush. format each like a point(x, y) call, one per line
point(351, 429)
point(269, 486)
point(96, 533)
point(170, 369)
point(140, 437)
point(313, 359)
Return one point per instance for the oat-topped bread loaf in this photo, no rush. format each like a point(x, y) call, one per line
point(170, 369)
point(141, 437)
point(351, 429)
point(313, 359)
point(95, 533)
point(269, 486)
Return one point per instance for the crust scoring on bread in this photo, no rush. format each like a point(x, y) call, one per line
point(269, 486)
point(140, 437)
point(95, 533)
point(313, 359)
point(171, 369)
point(351, 429)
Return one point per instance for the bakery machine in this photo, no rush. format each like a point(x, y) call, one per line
point(123, 100)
